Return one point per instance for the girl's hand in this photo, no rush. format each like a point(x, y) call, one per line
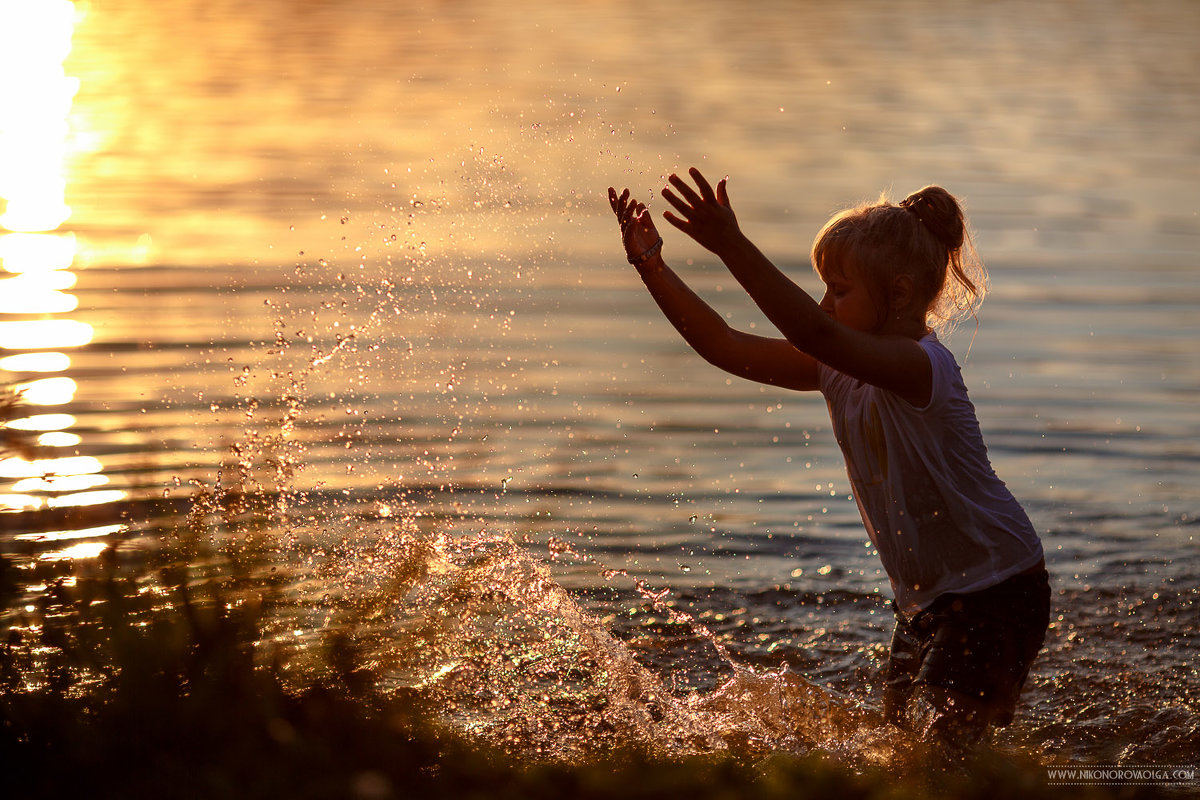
point(707, 215)
point(637, 226)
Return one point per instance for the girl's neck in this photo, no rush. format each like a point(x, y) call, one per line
point(910, 327)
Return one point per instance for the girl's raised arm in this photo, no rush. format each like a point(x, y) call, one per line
point(758, 358)
point(893, 362)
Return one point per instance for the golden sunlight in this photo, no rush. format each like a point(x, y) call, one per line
point(35, 38)
point(35, 362)
point(35, 104)
point(86, 498)
point(37, 252)
point(28, 295)
point(83, 550)
point(44, 334)
point(82, 533)
point(42, 422)
point(60, 483)
point(20, 502)
point(47, 391)
point(42, 467)
point(58, 439)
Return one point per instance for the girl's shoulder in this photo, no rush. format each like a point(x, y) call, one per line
point(946, 380)
point(949, 390)
point(940, 356)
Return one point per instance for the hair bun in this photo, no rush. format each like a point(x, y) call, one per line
point(940, 213)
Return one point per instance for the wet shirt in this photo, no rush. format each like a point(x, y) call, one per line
point(939, 516)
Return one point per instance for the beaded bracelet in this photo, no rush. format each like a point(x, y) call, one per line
point(637, 261)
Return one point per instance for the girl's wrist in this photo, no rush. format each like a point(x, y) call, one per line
point(651, 265)
point(653, 250)
point(730, 245)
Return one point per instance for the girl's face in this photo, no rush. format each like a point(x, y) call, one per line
point(848, 298)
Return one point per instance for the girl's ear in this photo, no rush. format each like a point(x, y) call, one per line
point(902, 293)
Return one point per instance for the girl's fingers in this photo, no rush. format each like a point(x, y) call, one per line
point(723, 193)
point(630, 216)
point(706, 190)
point(624, 203)
point(688, 192)
point(676, 221)
point(680, 205)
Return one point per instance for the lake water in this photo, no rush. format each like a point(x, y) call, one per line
point(358, 255)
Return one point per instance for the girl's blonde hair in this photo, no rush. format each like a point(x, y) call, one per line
point(923, 236)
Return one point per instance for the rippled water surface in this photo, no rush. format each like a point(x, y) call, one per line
point(358, 255)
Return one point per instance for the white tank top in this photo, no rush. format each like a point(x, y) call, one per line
point(931, 502)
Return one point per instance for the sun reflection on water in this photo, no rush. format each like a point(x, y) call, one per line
point(34, 43)
point(59, 439)
point(47, 391)
point(37, 294)
point(83, 533)
point(67, 483)
point(42, 422)
point(44, 333)
point(43, 467)
point(35, 131)
point(36, 362)
point(37, 252)
point(76, 552)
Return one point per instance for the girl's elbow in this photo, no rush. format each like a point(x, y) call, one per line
point(717, 360)
point(724, 355)
point(816, 339)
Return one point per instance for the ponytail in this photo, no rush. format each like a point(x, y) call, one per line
point(942, 217)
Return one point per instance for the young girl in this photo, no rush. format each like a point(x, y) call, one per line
point(972, 597)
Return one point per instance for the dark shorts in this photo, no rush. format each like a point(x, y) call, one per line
point(979, 645)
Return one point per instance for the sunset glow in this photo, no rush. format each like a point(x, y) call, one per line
point(35, 136)
point(37, 252)
point(36, 362)
point(35, 38)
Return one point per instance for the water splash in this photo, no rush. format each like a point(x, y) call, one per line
point(476, 623)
